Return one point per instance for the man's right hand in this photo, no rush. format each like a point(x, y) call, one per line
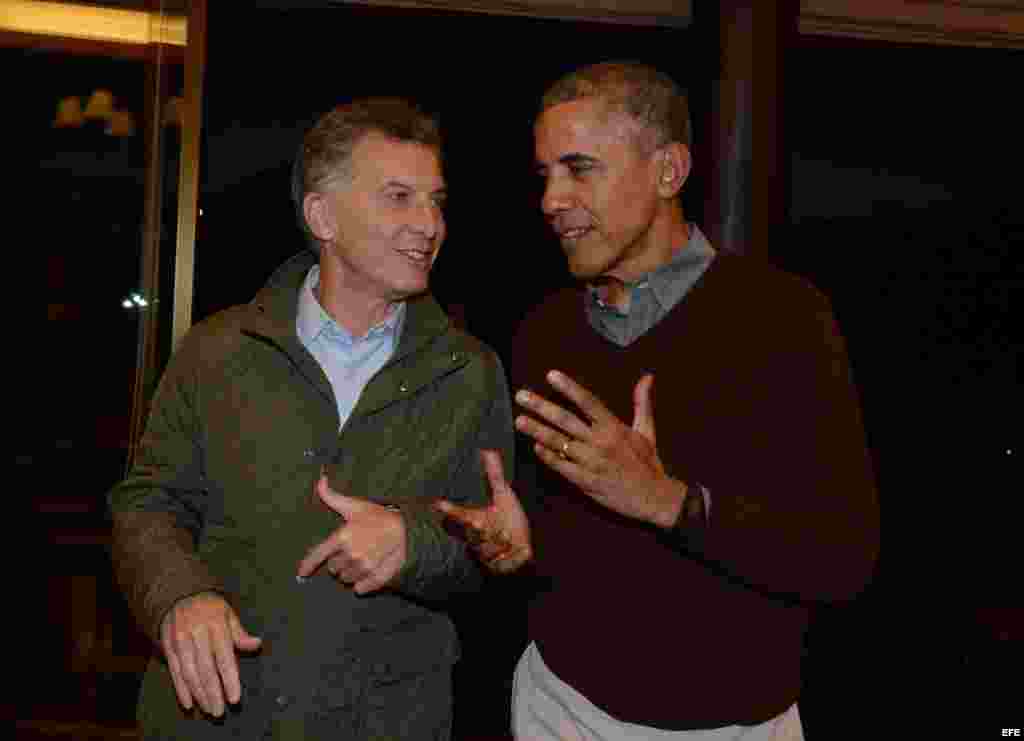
point(199, 637)
point(499, 533)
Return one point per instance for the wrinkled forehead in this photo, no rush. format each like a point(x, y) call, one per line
point(380, 158)
point(586, 126)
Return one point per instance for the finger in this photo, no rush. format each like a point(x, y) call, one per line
point(343, 505)
point(586, 402)
point(345, 569)
point(381, 576)
point(568, 468)
point(180, 686)
point(557, 444)
point(465, 516)
point(371, 583)
point(509, 560)
point(190, 672)
point(495, 471)
point(244, 641)
point(564, 420)
point(208, 675)
point(465, 524)
point(495, 548)
point(227, 666)
point(504, 497)
point(547, 436)
point(643, 408)
point(320, 553)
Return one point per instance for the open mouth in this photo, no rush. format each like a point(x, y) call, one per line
point(419, 258)
point(575, 234)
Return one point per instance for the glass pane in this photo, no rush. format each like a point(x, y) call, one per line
point(98, 124)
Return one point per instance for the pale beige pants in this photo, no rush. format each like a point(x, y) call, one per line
point(544, 708)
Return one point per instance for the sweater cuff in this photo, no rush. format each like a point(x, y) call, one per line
point(694, 517)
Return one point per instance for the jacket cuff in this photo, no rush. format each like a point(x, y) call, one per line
point(436, 565)
point(156, 565)
point(187, 580)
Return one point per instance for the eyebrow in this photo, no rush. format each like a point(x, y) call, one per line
point(573, 158)
point(443, 190)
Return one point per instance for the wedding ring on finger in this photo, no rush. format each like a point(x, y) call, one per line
point(564, 451)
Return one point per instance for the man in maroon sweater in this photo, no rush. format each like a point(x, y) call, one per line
point(683, 542)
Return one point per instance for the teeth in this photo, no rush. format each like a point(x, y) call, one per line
point(575, 233)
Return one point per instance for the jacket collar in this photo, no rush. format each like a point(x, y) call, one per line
point(272, 313)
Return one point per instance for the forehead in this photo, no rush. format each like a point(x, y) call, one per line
point(583, 126)
point(378, 159)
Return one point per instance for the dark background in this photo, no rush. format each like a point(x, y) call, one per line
point(904, 209)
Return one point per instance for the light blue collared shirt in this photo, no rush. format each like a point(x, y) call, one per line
point(348, 362)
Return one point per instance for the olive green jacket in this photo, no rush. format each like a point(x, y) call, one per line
point(220, 497)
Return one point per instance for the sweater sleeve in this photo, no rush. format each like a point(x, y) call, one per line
point(439, 566)
point(158, 509)
point(794, 505)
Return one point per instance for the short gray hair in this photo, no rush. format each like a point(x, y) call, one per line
point(648, 96)
point(326, 150)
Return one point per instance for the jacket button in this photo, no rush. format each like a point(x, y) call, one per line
point(308, 453)
point(282, 701)
point(455, 356)
point(403, 387)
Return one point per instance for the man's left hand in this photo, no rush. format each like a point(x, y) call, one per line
point(615, 464)
point(367, 551)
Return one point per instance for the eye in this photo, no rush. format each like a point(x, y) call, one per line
point(399, 196)
point(440, 200)
point(579, 169)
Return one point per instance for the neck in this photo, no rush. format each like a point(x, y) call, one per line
point(355, 310)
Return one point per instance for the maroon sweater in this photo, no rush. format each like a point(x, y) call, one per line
point(703, 627)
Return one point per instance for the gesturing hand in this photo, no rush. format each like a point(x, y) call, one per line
point(499, 533)
point(199, 637)
point(614, 464)
point(367, 551)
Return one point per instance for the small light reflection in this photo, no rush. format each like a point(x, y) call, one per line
point(135, 300)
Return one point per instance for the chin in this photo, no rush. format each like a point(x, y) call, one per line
point(408, 290)
point(586, 271)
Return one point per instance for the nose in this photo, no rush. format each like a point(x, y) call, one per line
point(558, 196)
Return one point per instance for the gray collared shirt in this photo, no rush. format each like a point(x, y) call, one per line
point(654, 295)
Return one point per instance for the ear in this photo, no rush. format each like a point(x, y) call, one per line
point(674, 169)
point(316, 208)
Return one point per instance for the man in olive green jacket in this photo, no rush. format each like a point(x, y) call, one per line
point(275, 536)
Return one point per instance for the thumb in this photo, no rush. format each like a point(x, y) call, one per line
point(243, 640)
point(450, 509)
point(343, 505)
point(643, 408)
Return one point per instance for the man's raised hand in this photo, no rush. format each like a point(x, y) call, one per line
point(499, 533)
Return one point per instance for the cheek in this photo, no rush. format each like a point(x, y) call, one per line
point(632, 204)
point(387, 225)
